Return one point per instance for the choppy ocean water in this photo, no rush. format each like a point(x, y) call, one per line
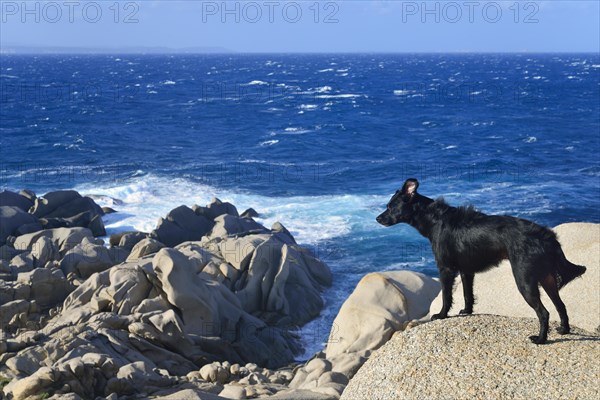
point(318, 142)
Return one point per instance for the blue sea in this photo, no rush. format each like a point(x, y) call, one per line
point(318, 142)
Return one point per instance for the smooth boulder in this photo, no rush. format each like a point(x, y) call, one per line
point(67, 208)
point(23, 200)
point(181, 225)
point(378, 307)
point(215, 209)
point(63, 238)
point(11, 218)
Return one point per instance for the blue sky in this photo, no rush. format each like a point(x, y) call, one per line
point(307, 26)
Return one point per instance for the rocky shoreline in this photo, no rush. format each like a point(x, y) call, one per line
point(205, 306)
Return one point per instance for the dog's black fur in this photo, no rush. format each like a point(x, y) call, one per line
point(465, 242)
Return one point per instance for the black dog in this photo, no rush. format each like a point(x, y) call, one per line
point(466, 241)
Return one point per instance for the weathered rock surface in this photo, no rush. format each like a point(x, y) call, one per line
point(63, 238)
point(215, 209)
point(67, 208)
point(382, 303)
point(249, 213)
point(23, 200)
point(379, 306)
point(12, 218)
point(130, 239)
point(143, 248)
point(48, 286)
point(181, 225)
point(89, 257)
point(226, 225)
point(480, 356)
point(156, 321)
point(496, 291)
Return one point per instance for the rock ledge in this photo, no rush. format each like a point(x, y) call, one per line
point(480, 356)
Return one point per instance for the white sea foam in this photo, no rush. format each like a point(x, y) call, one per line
point(323, 89)
point(310, 219)
point(268, 143)
point(338, 96)
point(256, 82)
point(308, 107)
point(293, 130)
point(167, 82)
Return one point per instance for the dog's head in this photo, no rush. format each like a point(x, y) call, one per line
point(401, 206)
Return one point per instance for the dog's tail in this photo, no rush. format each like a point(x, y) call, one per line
point(567, 271)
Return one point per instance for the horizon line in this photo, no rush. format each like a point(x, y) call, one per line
point(234, 52)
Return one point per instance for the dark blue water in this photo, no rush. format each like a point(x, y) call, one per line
point(318, 142)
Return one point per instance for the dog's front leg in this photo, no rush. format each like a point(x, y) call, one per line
point(467, 284)
point(447, 277)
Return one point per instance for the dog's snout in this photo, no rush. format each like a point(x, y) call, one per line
point(382, 219)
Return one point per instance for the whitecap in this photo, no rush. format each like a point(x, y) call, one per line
point(311, 219)
point(295, 131)
point(308, 107)
point(530, 139)
point(338, 96)
point(256, 82)
point(167, 82)
point(326, 70)
point(402, 92)
point(268, 143)
point(323, 89)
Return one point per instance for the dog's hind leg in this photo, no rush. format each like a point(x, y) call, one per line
point(467, 284)
point(528, 287)
point(551, 287)
point(447, 277)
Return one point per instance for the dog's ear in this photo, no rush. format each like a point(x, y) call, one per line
point(410, 186)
